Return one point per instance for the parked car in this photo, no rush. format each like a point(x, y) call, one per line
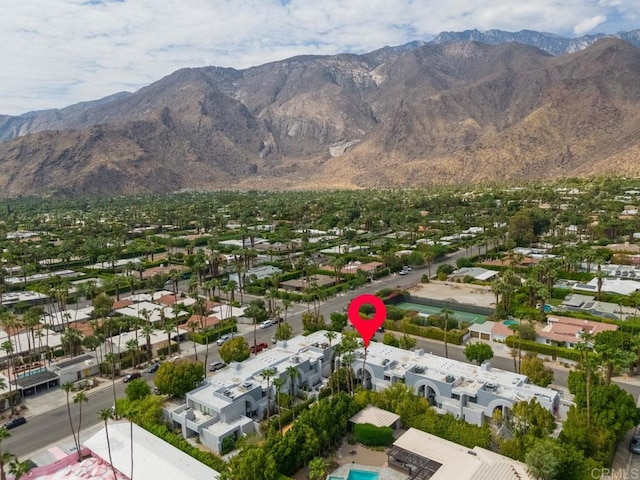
point(634, 445)
point(258, 347)
point(403, 272)
point(15, 422)
point(266, 324)
point(153, 368)
point(224, 338)
point(216, 366)
point(131, 376)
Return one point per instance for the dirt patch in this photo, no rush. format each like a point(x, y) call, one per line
point(480, 295)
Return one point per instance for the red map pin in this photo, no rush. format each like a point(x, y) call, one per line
point(367, 327)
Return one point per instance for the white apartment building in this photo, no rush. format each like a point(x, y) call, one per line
point(234, 399)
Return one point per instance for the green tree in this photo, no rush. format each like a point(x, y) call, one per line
point(317, 469)
point(534, 368)
point(179, 377)
point(544, 459)
point(478, 352)
point(235, 349)
point(5, 457)
point(252, 463)
point(257, 312)
point(105, 415)
point(19, 468)
point(390, 339)
point(80, 398)
point(268, 374)
point(521, 229)
point(68, 388)
point(137, 389)
point(283, 331)
point(338, 321)
point(312, 322)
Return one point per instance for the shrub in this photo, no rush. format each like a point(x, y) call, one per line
point(454, 337)
point(370, 435)
point(562, 352)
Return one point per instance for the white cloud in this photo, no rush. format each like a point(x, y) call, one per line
point(588, 24)
point(55, 53)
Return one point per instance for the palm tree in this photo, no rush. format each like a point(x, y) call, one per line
point(168, 329)
point(330, 336)
point(68, 388)
point(286, 304)
point(317, 469)
point(293, 373)
point(6, 456)
point(132, 348)
point(7, 346)
point(106, 414)
point(112, 359)
point(193, 325)
point(446, 312)
point(348, 359)
point(278, 383)
point(267, 374)
point(147, 331)
point(80, 398)
point(19, 469)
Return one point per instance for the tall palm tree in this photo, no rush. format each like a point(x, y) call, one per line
point(7, 346)
point(330, 336)
point(286, 304)
point(106, 414)
point(267, 374)
point(132, 347)
point(112, 359)
point(446, 312)
point(5, 457)
point(168, 329)
point(147, 331)
point(80, 398)
point(293, 373)
point(348, 359)
point(68, 388)
point(278, 383)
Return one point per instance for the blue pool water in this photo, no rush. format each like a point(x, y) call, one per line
point(362, 475)
point(510, 322)
point(357, 475)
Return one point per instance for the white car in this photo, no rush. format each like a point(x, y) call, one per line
point(266, 324)
point(224, 338)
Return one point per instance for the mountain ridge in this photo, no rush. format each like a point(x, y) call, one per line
point(437, 113)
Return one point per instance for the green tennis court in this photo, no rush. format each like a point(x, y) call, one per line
point(429, 310)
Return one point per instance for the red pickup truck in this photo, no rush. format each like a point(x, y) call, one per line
point(258, 348)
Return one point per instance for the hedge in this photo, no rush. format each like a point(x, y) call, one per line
point(372, 436)
point(163, 350)
point(209, 459)
point(553, 351)
point(212, 335)
point(454, 337)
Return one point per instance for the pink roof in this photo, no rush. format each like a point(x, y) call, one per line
point(67, 467)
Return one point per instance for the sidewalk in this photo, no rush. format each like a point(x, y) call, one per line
point(56, 397)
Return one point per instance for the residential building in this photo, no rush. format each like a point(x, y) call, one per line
point(77, 368)
point(256, 273)
point(477, 273)
point(467, 391)
point(230, 402)
point(369, 268)
point(154, 459)
point(423, 456)
point(564, 331)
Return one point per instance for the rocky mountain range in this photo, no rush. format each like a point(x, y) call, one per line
point(440, 112)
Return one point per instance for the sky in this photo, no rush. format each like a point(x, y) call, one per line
point(55, 53)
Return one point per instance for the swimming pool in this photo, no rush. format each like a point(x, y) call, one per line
point(510, 322)
point(358, 475)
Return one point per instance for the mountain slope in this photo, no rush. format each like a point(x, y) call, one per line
point(454, 112)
